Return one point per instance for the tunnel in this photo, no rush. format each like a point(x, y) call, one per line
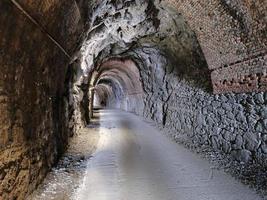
point(194, 70)
point(118, 85)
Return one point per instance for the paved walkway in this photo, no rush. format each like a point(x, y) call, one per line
point(134, 161)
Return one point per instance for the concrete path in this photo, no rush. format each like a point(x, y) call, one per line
point(134, 161)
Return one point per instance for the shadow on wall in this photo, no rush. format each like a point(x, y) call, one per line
point(177, 56)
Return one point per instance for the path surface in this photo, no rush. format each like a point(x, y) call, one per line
point(134, 161)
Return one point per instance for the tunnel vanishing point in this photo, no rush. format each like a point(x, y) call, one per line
point(195, 67)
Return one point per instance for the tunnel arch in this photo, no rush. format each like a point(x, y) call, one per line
point(124, 76)
point(103, 93)
point(50, 52)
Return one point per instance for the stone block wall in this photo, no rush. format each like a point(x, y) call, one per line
point(177, 93)
point(234, 124)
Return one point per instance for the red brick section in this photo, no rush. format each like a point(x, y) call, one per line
point(246, 76)
point(233, 37)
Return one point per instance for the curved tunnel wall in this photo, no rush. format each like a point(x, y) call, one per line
point(50, 49)
point(231, 123)
point(103, 95)
point(123, 77)
point(175, 75)
point(37, 41)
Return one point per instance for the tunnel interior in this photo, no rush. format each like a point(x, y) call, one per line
point(117, 82)
point(195, 68)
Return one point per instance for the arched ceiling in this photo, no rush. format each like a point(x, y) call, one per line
point(118, 28)
point(222, 29)
point(103, 93)
point(52, 50)
point(125, 71)
point(121, 75)
point(231, 34)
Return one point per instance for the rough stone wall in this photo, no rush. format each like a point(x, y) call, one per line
point(232, 35)
point(34, 118)
point(41, 98)
point(175, 58)
point(234, 124)
point(177, 90)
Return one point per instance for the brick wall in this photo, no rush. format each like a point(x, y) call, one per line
point(233, 38)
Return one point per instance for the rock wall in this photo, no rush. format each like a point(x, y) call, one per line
point(175, 57)
point(176, 82)
point(51, 50)
point(232, 123)
point(34, 59)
